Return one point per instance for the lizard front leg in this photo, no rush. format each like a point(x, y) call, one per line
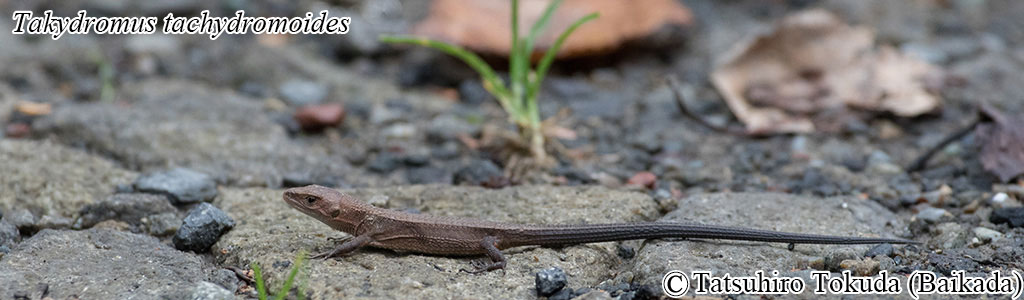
point(490, 244)
point(347, 246)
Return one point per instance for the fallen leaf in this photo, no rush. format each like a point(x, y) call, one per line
point(485, 25)
point(812, 62)
point(1002, 143)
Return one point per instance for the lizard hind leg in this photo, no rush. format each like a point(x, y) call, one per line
point(497, 259)
point(346, 247)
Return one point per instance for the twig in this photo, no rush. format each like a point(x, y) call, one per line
point(922, 161)
point(674, 86)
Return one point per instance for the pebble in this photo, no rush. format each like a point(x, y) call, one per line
point(477, 172)
point(932, 214)
point(384, 162)
point(202, 228)
point(884, 249)
point(162, 224)
point(861, 267)
point(644, 179)
point(128, 208)
point(472, 92)
point(319, 116)
point(426, 175)
point(448, 127)
point(210, 291)
point(302, 93)
point(1012, 216)
point(21, 219)
point(549, 281)
point(987, 235)
point(563, 294)
point(447, 150)
point(183, 186)
point(1000, 198)
point(9, 234)
point(400, 131)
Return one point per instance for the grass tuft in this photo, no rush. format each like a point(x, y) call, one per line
point(519, 96)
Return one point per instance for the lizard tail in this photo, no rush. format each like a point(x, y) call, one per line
point(576, 234)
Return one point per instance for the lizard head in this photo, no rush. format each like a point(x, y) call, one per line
point(340, 211)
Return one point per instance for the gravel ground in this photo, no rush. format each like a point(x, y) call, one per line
point(99, 193)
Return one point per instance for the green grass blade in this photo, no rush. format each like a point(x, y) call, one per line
point(291, 276)
point(492, 82)
point(541, 24)
point(549, 57)
point(261, 290)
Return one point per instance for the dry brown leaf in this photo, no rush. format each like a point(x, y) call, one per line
point(813, 62)
point(1002, 144)
point(484, 25)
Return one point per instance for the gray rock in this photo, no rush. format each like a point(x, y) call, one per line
point(765, 211)
point(181, 185)
point(100, 264)
point(932, 214)
point(477, 172)
point(9, 234)
point(22, 219)
point(549, 281)
point(162, 224)
point(210, 291)
point(191, 125)
point(46, 179)
point(273, 232)
point(885, 249)
point(128, 208)
point(1012, 216)
point(202, 228)
point(983, 234)
point(301, 92)
point(948, 235)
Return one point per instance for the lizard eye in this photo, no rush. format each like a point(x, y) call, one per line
point(310, 200)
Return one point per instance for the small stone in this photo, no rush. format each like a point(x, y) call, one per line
point(563, 294)
point(202, 228)
point(1013, 216)
point(472, 92)
point(860, 267)
point(884, 249)
point(128, 208)
point(932, 214)
point(625, 252)
point(948, 235)
point(549, 281)
point(447, 127)
point(319, 116)
point(477, 172)
point(1000, 198)
point(302, 93)
point(427, 175)
point(644, 179)
point(385, 162)
point(9, 234)
point(416, 160)
point(183, 186)
point(22, 219)
point(400, 131)
point(987, 235)
point(162, 224)
point(210, 291)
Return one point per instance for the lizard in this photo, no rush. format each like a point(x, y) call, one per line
point(451, 236)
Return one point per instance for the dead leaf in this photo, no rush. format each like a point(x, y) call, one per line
point(813, 62)
point(484, 25)
point(1002, 144)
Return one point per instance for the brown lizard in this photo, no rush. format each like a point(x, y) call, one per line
point(389, 229)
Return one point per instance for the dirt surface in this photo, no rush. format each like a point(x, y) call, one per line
point(413, 136)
